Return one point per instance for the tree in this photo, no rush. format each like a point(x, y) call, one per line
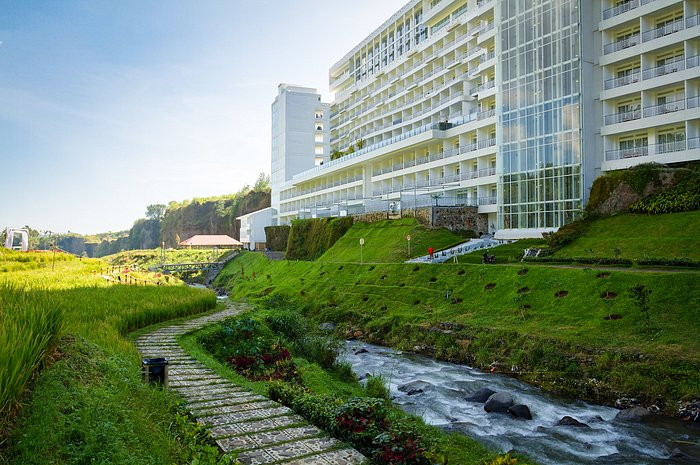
point(262, 184)
point(639, 295)
point(155, 211)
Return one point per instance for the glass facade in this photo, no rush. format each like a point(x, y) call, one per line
point(540, 178)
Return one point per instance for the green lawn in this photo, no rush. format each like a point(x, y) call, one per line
point(385, 242)
point(671, 235)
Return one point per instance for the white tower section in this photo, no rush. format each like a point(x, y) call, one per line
point(300, 141)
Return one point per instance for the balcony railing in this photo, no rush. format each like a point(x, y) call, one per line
point(623, 116)
point(694, 143)
point(634, 76)
point(645, 151)
point(694, 102)
point(692, 20)
point(487, 200)
point(663, 108)
point(677, 64)
point(622, 8)
point(664, 30)
point(627, 42)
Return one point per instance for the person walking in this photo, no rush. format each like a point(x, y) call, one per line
point(430, 252)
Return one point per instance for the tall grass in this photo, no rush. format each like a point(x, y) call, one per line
point(30, 321)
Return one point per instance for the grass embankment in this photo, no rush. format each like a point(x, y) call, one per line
point(385, 242)
point(635, 237)
point(574, 331)
point(89, 403)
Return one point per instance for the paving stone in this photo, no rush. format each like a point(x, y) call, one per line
point(338, 457)
point(300, 448)
point(255, 457)
point(234, 408)
point(204, 405)
point(245, 415)
point(255, 426)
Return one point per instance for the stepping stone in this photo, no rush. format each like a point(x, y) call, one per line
point(268, 438)
point(234, 408)
point(204, 405)
point(293, 449)
point(245, 415)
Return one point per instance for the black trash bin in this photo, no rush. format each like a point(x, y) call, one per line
point(155, 370)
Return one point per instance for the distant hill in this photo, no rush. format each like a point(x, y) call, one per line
point(179, 220)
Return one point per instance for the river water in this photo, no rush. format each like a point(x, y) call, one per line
point(606, 441)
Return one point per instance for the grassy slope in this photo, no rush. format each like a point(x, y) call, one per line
point(91, 403)
point(674, 235)
point(357, 293)
point(402, 304)
point(385, 242)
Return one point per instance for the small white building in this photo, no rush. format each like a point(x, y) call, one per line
point(253, 228)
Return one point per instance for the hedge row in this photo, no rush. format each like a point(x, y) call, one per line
point(309, 239)
point(276, 237)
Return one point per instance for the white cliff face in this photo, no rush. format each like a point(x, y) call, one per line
point(436, 391)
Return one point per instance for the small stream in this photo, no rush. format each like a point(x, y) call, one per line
point(605, 441)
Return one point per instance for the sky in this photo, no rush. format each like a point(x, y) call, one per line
point(109, 106)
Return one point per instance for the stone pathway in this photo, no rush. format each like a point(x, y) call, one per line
point(259, 430)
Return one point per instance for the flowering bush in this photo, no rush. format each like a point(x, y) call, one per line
point(401, 447)
point(360, 415)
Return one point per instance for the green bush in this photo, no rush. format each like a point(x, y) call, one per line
point(685, 196)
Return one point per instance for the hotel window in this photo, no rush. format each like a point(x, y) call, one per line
point(671, 140)
point(319, 115)
point(669, 19)
point(319, 138)
point(319, 127)
point(318, 150)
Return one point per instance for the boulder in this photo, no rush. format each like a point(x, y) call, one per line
point(677, 454)
point(361, 351)
point(499, 402)
point(327, 326)
point(480, 396)
point(520, 411)
point(415, 387)
point(633, 414)
point(570, 421)
point(626, 402)
point(357, 333)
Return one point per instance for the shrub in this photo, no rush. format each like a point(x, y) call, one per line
point(401, 447)
point(322, 350)
point(504, 460)
point(376, 387)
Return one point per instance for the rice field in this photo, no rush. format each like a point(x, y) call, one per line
point(42, 300)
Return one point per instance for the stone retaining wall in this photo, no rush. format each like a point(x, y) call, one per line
point(460, 218)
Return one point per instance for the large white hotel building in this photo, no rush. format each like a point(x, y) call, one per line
point(512, 106)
